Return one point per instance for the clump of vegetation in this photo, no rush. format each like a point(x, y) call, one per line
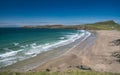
point(48, 70)
point(83, 67)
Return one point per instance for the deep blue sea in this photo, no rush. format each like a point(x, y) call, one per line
point(17, 44)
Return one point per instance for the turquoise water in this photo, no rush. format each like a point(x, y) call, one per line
point(17, 44)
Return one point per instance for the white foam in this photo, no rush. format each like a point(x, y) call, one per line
point(8, 54)
point(33, 45)
point(71, 38)
point(7, 61)
point(15, 44)
point(22, 46)
point(61, 38)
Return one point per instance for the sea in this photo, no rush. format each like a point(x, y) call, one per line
point(17, 44)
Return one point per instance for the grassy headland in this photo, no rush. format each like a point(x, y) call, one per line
point(106, 25)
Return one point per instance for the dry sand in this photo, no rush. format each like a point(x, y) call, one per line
point(95, 54)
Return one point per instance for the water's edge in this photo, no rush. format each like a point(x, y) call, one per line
point(36, 61)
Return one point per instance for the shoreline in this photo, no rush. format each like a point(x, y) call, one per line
point(95, 52)
point(96, 55)
point(31, 63)
point(83, 44)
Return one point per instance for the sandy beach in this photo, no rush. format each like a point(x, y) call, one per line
point(96, 54)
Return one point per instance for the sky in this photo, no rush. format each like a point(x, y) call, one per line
point(68, 12)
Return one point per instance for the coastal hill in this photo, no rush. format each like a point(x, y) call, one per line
point(106, 22)
point(105, 25)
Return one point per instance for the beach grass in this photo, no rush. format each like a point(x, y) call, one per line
point(71, 72)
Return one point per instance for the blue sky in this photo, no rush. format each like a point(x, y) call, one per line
point(40, 12)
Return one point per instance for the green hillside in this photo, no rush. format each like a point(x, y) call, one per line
point(106, 25)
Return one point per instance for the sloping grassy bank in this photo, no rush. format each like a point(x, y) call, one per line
point(76, 72)
point(106, 25)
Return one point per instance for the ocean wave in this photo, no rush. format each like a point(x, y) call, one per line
point(62, 38)
point(15, 44)
point(8, 54)
point(31, 50)
point(48, 46)
point(6, 49)
point(7, 61)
